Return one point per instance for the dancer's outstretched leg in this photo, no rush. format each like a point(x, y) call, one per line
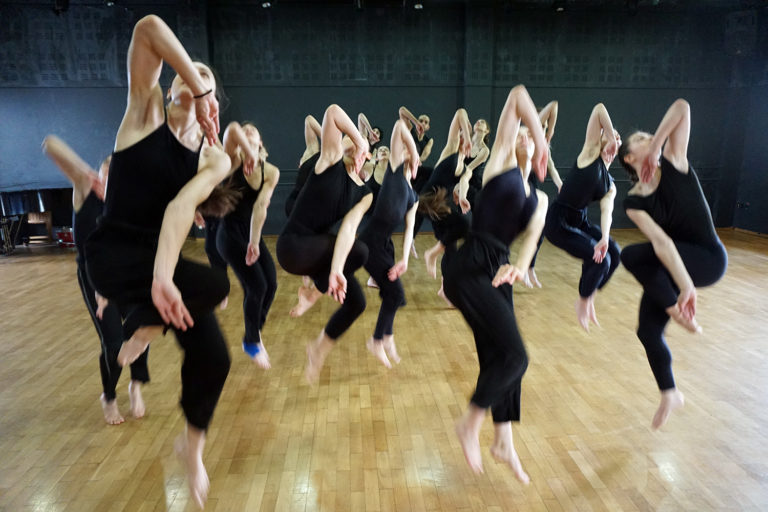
point(671, 399)
point(430, 258)
point(390, 348)
point(317, 351)
point(376, 347)
point(189, 449)
point(503, 450)
point(307, 298)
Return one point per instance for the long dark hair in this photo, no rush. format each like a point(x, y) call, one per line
point(623, 152)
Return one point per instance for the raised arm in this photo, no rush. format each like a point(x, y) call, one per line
point(459, 127)
point(548, 118)
point(606, 217)
point(259, 214)
point(336, 123)
point(365, 129)
point(178, 218)
point(410, 120)
point(667, 253)
point(239, 148)
point(153, 43)
point(402, 265)
point(675, 130)
point(403, 148)
point(80, 174)
point(427, 150)
point(337, 283)
point(599, 122)
point(518, 107)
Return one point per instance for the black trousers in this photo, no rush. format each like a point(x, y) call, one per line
point(570, 230)
point(110, 330)
point(705, 265)
point(259, 281)
point(381, 258)
point(467, 275)
point(212, 225)
point(311, 255)
point(120, 262)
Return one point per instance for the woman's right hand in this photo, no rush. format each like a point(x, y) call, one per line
point(650, 164)
point(249, 160)
point(207, 112)
point(686, 302)
point(507, 274)
point(337, 286)
point(167, 299)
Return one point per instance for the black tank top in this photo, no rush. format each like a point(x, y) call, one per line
point(395, 198)
point(582, 186)
point(325, 199)
point(145, 177)
point(244, 207)
point(421, 144)
point(678, 206)
point(375, 188)
point(476, 180)
point(444, 175)
point(502, 209)
point(304, 171)
point(84, 222)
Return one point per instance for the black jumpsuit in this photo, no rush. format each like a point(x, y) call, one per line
point(259, 281)
point(120, 257)
point(453, 225)
point(395, 198)
point(503, 211)
point(305, 247)
point(568, 227)
point(110, 327)
point(678, 206)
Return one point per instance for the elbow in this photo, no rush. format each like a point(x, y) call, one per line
point(333, 109)
point(683, 106)
point(147, 25)
point(48, 141)
point(518, 90)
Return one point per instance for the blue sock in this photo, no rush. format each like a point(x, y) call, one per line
point(252, 349)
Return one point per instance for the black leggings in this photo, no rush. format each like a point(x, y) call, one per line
point(705, 265)
point(311, 255)
point(468, 272)
point(120, 261)
point(422, 177)
point(110, 330)
point(381, 258)
point(212, 227)
point(259, 281)
point(569, 229)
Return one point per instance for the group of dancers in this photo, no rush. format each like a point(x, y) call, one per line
point(169, 169)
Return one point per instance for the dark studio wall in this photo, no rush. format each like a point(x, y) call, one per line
point(65, 74)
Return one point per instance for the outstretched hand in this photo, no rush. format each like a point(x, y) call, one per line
point(251, 253)
point(207, 112)
point(686, 302)
point(337, 286)
point(167, 299)
point(601, 249)
point(398, 270)
point(507, 274)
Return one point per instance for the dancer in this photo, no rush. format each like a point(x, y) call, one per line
point(396, 200)
point(567, 224)
point(683, 252)
point(160, 173)
point(448, 220)
point(475, 162)
point(88, 203)
point(334, 191)
point(419, 128)
point(548, 118)
point(239, 239)
point(478, 277)
point(307, 161)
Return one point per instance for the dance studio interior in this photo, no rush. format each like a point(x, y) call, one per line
point(262, 372)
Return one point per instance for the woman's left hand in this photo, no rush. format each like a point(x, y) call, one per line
point(507, 274)
point(398, 270)
point(251, 253)
point(207, 112)
point(601, 249)
point(337, 286)
point(167, 299)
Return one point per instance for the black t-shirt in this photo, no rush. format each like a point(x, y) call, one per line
point(582, 186)
point(503, 210)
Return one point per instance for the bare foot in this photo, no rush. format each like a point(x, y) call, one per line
point(441, 294)
point(258, 354)
point(430, 258)
point(138, 409)
point(505, 452)
point(414, 253)
point(134, 347)
point(224, 303)
point(671, 399)
point(307, 298)
point(532, 279)
point(111, 413)
point(391, 349)
point(377, 349)
point(197, 477)
point(470, 444)
point(372, 283)
point(690, 324)
point(591, 311)
point(582, 312)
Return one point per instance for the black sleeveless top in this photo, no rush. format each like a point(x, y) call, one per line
point(145, 177)
point(325, 199)
point(678, 206)
point(582, 186)
point(84, 223)
point(244, 207)
point(444, 175)
point(476, 180)
point(305, 169)
point(421, 144)
point(502, 209)
point(394, 200)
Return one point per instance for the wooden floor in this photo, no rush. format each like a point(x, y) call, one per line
point(370, 439)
